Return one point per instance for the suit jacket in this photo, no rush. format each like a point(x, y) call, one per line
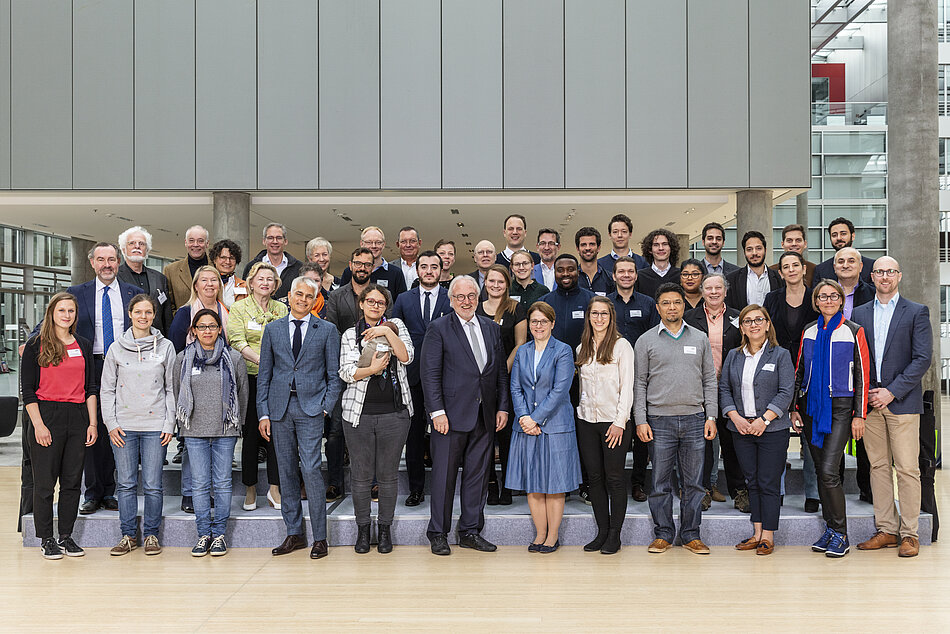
point(777, 308)
point(730, 330)
point(389, 277)
point(179, 281)
point(505, 262)
point(158, 289)
point(809, 272)
point(450, 377)
point(774, 385)
point(408, 308)
point(907, 353)
point(737, 297)
point(545, 395)
point(316, 371)
point(86, 299)
point(826, 270)
point(538, 276)
point(863, 293)
point(343, 309)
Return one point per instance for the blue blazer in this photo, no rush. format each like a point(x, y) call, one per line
point(545, 398)
point(408, 308)
point(450, 377)
point(774, 385)
point(539, 276)
point(907, 353)
point(86, 310)
point(316, 370)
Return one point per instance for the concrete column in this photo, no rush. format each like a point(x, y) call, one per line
point(683, 239)
point(754, 213)
point(79, 268)
point(801, 216)
point(913, 198)
point(231, 219)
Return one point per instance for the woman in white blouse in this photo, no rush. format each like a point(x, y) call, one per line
point(605, 365)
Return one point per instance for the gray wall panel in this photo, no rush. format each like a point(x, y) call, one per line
point(534, 93)
point(656, 93)
point(226, 94)
point(102, 94)
point(471, 94)
point(41, 87)
point(410, 93)
point(594, 93)
point(718, 93)
point(349, 94)
point(287, 94)
point(164, 94)
point(5, 94)
point(779, 123)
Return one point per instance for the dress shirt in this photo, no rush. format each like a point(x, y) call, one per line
point(280, 267)
point(713, 268)
point(670, 332)
point(882, 323)
point(433, 296)
point(409, 272)
point(748, 380)
point(537, 359)
point(662, 272)
point(757, 286)
point(468, 337)
point(547, 273)
point(118, 314)
point(292, 327)
point(849, 302)
point(715, 324)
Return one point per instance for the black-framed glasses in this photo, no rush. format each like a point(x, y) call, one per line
point(207, 327)
point(885, 272)
point(470, 297)
point(379, 303)
point(691, 275)
point(829, 297)
point(758, 321)
point(361, 265)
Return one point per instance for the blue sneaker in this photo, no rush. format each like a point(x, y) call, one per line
point(838, 546)
point(219, 546)
point(201, 548)
point(822, 544)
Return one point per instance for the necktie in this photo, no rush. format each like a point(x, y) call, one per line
point(107, 334)
point(476, 348)
point(298, 337)
point(427, 308)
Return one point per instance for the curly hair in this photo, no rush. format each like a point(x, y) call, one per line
point(646, 245)
point(220, 245)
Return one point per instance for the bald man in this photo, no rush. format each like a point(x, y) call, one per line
point(848, 267)
point(484, 257)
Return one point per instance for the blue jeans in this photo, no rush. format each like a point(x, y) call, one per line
point(185, 472)
point(297, 438)
point(211, 462)
point(677, 440)
point(147, 447)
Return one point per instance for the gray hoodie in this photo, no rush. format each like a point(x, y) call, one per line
point(136, 390)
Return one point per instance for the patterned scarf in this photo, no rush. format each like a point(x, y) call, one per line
point(197, 357)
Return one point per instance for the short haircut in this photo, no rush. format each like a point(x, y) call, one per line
point(310, 267)
point(372, 286)
point(100, 245)
point(143, 297)
point(442, 242)
point(586, 232)
point(754, 234)
point(414, 230)
point(788, 254)
point(372, 228)
point(519, 217)
point(713, 225)
point(193, 227)
point(429, 254)
point(624, 259)
point(787, 229)
point(220, 245)
point(128, 233)
point(646, 245)
point(710, 276)
point(319, 242)
point(257, 267)
point(557, 235)
point(565, 256)
point(841, 221)
point(462, 279)
point(620, 218)
point(306, 281)
point(669, 287)
point(360, 251)
point(271, 225)
point(826, 282)
point(544, 308)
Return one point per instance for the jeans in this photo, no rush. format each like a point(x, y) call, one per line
point(606, 492)
point(211, 463)
point(144, 446)
point(828, 462)
point(763, 461)
point(185, 472)
point(336, 445)
point(63, 461)
point(375, 447)
point(297, 438)
point(677, 440)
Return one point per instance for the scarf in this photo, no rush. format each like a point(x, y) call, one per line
point(819, 406)
point(197, 357)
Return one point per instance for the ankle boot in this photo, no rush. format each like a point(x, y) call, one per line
point(362, 539)
point(612, 544)
point(598, 541)
point(385, 544)
point(492, 494)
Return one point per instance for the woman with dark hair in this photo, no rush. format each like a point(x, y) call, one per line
point(508, 313)
point(138, 409)
point(831, 389)
point(211, 384)
point(225, 255)
point(691, 278)
point(58, 381)
point(605, 366)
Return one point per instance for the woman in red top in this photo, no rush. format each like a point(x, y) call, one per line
point(59, 393)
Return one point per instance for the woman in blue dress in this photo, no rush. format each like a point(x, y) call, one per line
point(543, 458)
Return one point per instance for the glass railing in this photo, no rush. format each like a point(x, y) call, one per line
point(849, 113)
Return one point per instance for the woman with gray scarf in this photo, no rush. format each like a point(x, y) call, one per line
point(211, 385)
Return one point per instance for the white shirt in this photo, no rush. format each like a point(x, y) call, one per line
point(756, 286)
point(280, 267)
point(433, 295)
point(231, 294)
point(409, 272)
point(468, 335)
point(606, 390)
point(118, 314)
point(547, 274)
point(662, 272)
point(293, 328)
point(748, 381)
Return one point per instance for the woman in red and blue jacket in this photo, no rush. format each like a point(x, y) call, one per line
point(831, 390)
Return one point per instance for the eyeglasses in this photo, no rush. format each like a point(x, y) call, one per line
point(667, 303)
point(885, 272)
point(599, 314)
point(537, 323)
point(361, 265)
point(691, 275)
point(829, 297)
point(758, 321)
point(373, 243)
point(379, 303)
point(471, 297)
point(519, 265)
point(207, 327)
point(136, 243)
point(226, 257)
point(547, 243)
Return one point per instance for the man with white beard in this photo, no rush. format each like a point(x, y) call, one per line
point(135, 244)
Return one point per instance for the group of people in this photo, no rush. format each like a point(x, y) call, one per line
point(566, 363)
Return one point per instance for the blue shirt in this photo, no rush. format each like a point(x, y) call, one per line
point(882, 322)
point(636, 316)
point(569, 309)
point(602, 284)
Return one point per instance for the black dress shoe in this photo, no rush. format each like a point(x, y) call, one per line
point(319, 550)
point(440, 544)
point(638, 493)
point(89, 507)
point(492, 494)
point(177, 458)
point(385, 539)
point(866, 496)
point(110, 504)
point(477, 542)
point(597, 542)
point(187, 505)
point(374, 493)
point(289, 545)
point(415, 498)
point(612, 543)
point(362, 539)
point(811, 505)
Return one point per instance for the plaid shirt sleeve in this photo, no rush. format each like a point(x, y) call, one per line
point(355, 393)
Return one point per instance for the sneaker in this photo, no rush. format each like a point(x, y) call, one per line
point(51, 549)
point(219, 547)
point(126, 545)
point(838, 546)
point(583, 494)
point(822, 544)
point(707, 501)
point(201, 548)
point(716, 495)
point(70, 547)
point(152, 547)
point(742, 502)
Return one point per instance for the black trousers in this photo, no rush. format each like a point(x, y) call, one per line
point(336, 445)
point(252, 440)
point(416, 441)
point(828, 462)
point(763, 461)
point(606, 489)
point(468, 450)
point(863, 473)
point(735, 479)
point(26, 470)
point(99, 469)
point(62, 461)
point(503, 438)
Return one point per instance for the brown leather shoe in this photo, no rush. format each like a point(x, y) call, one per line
point(910, 547)
point(289, 545)
point(765, 547)
point(319, 550)
point(880, 540)
point(697, 546)
point(748, 544)
point(659, 546)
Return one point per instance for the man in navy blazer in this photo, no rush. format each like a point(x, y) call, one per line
point(901, 342)
point(417, 308)
point(297, 384)
point(465, 382)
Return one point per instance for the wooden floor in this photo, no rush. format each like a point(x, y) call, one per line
point(511, 590)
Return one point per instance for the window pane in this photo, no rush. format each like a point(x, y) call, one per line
point(860, 215)
point(815, 191)
point(848, 142)
point(872, 164)
point(855, 187)
point(783, 215)
point(816, 143)
point(816, 166)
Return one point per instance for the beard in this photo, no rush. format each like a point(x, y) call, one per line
point(361, 277)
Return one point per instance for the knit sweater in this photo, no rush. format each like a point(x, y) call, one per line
point(207, 418)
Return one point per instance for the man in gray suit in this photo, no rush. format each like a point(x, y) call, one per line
point(297, 384)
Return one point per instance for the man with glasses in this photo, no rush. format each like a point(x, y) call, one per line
point(714, 238)
point(180, 273)
point(841, 232)
point(751, 283)
point(136, 243)
point(388, 276)
point(288, 267)
point(620, 230)
point(484, 256)
point(675, 407)
point(549, 244)
point(409, 241)
point(515, 232)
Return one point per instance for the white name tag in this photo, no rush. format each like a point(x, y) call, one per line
point(517, 298)
point(253, 325)
point(162, 298)
point(601, 293)
point(768, 367)
point(689, 349)
point(383, 283)
point(240, 290)
point(578, 314)
point(74, 352)
point(195, 371)
point(635, 313)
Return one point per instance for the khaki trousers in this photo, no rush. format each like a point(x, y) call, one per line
point(894, 438)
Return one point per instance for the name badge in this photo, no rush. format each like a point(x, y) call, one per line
point(74, 352)
point(383, 283)
point(162, 297)
point(195, 371)
point(635, 313)
point(240, 290)
point(578, 314)
point(601, 293)
point(253, 325)
point(689, 349)
point(768, 367)
point(517, 298)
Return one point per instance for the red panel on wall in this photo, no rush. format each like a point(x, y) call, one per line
point(835, 75)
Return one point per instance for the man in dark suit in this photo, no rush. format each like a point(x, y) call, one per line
point(417, 308)
point(899, 335)
point(714, 238)
point(136, 244)
point(297, 385)
point(484, 256)
point(515, 232)
point(841, 232)
point(751, 283)
point(465, 383)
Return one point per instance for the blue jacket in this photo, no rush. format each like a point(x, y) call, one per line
point(849, 366)
point(636, 316)
point(907, 353)
point(608, 261)
point(85, 294)
point(316, 370)
point(409, 309)
point(774, 385)
point(569, 308)
point(546, 398)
